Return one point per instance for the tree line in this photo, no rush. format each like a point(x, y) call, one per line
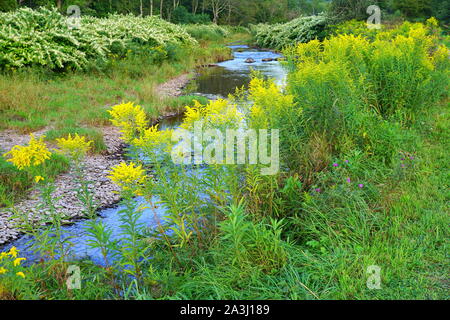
point(415, 10)
point(235, 12)
point(244, 12)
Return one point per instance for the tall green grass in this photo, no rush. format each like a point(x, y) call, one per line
point(14, 184)
point(363, 182)
point(32, 99)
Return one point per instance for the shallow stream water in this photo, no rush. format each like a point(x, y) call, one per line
point(214, 82)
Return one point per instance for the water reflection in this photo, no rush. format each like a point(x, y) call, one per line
point(213, 83)
point(223, 79)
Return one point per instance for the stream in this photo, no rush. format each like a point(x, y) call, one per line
point(213, 83)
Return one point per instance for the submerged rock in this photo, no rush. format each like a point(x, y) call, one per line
point(249, 60)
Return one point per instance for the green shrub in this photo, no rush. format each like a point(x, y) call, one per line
point(328, 96)
point(253, 244)
point(354, 27)
point(209, 32)
point(181, 15)
point(281, 35)
point(43, 37)
point(8, 5)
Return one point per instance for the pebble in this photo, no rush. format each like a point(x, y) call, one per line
point(96, 170)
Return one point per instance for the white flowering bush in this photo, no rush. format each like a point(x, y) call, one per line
point(299, 30)
point(207, 31)
point(44, 37)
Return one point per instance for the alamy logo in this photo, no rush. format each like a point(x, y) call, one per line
point(74, 277)
point(374, 279)
point(374, 21)
point(74, 19)
point(234, 146)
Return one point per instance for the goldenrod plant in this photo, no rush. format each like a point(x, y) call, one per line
point(13, 274)
point(50, 242)
point(76, 148)
point(363, 137)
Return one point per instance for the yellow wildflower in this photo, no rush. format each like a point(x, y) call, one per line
point(216, 112)
point(13, 252)
point(268, 98)
point(432, 22)
point(74, 146)
point(152, 137)
point(3, 270)
point(38, 178)
point(128, 176)
point(129, 119)
point(192, 114)
point(33, 154)
point(20, 274)
point(17, 261)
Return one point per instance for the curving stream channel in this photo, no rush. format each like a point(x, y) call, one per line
point(214, 82)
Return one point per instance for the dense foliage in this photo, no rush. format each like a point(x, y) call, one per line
point(342, 10)
point(363, 140)
point(302, 29)
point(44, 37)
point(235, 12)
point(245, 12)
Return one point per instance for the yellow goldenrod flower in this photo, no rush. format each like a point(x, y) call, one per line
point(38, 178)
point(269, 99)
point(130, 119)
point(17, 261)
point(33, 154)
point(191, 115)
point(152, 137)
point(432, 22)
point(216, 113)
point(3, 255)
point(128, 176)
point(74, 146)
point(13, 252)
point(3, 270)
point(20, 274)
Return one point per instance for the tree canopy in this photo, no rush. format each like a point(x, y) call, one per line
point(244, 12)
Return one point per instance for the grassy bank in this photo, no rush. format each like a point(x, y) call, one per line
point(76, 101)
point(362, 187)
point(69, 76)
point(403, 230)
point(32, 99)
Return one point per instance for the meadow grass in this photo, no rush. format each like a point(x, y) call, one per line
point(77, 102)
point(402, 229)
point(364, 182)
point(33, 99)
point(15, 184)
point(398, 222)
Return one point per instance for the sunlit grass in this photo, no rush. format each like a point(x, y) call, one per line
point(15, 184)
point(32, 99)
